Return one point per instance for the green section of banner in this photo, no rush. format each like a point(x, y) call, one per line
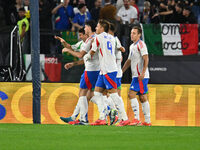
point(153, 38)
point(71, 38)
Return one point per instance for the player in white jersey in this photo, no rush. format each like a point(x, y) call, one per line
point(88, 78)
point(104, 45)
point(118, 54)
point(138, 59)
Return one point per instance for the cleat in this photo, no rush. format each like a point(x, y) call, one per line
point(146, 124)
point(73, 122)
point(117, 122)
point(82, 123)
point(113, 116)
point(135, 122)
point(99, 122)
point(68, 119)
point(123, 123)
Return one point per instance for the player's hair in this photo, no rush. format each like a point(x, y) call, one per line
point(92, 24)
point(81, 30)
point(138, 29)
point(112, 27)
point(104, 24)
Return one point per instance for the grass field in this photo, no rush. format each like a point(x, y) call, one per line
point(66, 137)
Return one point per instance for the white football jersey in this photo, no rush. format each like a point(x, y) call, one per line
point(104, 45)
point(118, 55)
point(93, 64)
point(137, 50)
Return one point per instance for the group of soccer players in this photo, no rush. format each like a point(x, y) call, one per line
point(101, 81)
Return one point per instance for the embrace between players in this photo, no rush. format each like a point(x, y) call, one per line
point(101, 81)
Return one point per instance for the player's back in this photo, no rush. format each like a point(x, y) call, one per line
point(106, 52)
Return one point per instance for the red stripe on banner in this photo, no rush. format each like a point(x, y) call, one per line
point(189, 38)
point(87, 81)
point(101, 52)
point(111, 81)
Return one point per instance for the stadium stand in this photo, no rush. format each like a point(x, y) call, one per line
point(151, 13)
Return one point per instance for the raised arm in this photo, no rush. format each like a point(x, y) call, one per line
point(54, 11)
point(75, 54)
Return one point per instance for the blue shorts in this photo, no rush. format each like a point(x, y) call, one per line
point(107, 81)
point(119, 83)
point(139, 86)
point(88, 79)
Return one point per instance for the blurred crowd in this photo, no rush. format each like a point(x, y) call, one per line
point(72, 14)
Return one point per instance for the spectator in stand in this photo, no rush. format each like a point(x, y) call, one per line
point(64, 14)
point(45, 8)
point(134, 4)
point(119, 4)
point(23, 24)
point(12, 12)
point(80, 18)
point(73, 3)
point(2, 17)
point(108, 12)
point(188, 15)
point(153, 10)
point(96, 10)
point(166, 14)
point(177, 16)
point(146, 11)
point(127, 13)
point(76, 10)
point(90, 4)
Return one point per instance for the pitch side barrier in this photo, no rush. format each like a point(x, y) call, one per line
point(171, 104)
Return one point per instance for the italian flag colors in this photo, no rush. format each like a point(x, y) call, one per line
point(171, 39)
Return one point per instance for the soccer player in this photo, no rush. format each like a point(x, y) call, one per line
point(88, 78)
point(78, 45)
point(104, 45)
point(138, 60)
point(118, 54)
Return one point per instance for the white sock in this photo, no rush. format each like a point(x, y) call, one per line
point(98, 99)
point(119, 105)
point(106, 104)
point(111, 103)
point(83, 108)
point(76, 110)
point(135, 107)
point(146, 111)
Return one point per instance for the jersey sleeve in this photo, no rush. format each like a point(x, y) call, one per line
point(130, 52)
point(143, 48)
point(95, 44)
point(86, 46)
point(118, 43)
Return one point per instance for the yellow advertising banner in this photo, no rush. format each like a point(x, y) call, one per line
point(171, 105)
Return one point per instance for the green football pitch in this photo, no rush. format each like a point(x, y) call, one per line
point(66, 137)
